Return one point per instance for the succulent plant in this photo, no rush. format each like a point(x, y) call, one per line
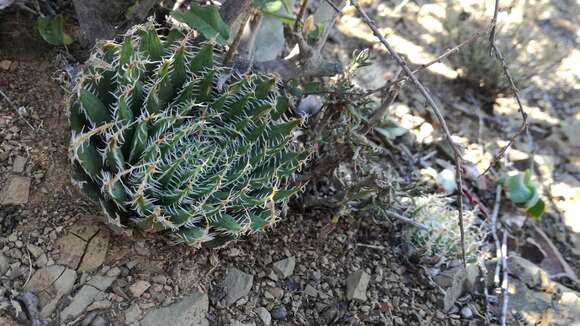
point(166, 139)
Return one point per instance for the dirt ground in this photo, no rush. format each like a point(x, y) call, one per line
point(299, 273)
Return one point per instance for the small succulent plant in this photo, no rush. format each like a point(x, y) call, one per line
point(442, 234)
point(166, 139)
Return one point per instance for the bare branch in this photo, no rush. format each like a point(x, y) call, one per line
point(493, 26)
point(505, 281)
point(300, 15)
point(424, 66)
point(524, 127)
point(456, 152)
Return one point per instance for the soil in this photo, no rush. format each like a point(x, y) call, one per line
point(34, 127)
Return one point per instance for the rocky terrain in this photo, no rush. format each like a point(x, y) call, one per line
point(60, 266)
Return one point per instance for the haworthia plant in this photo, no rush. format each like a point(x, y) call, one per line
point(167, 140)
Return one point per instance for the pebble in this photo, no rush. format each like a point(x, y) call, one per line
point(279, 312)
point(466, 313)
point(139, 287)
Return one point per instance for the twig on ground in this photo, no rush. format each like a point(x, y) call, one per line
point(29, 267)
point(370, 246)
point(404, 219)
point(483, 279)
point(494, 215)
point(524, 127)
point(457, 153)
point(505, 281)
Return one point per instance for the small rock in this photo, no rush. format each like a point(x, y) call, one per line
point(264, 316)
point(466, 313)
point(71, 249)
point(276, 293)
point(356, 285)
point(191, 310)
point(17, 191)
point(310, 291)
point(236, 284)
point(139, 288)
point(34, 250)
point(19, 164)
point(239, 323)
point(99, 305)
point(133, 314)
point(279, 312)
point(95, 252)
point(141, 249)
point(99, 321)
point(5, 64)
point(4, 264)
point(285, 267)
point(160, 279)
point(51, 284)
point(89, 293)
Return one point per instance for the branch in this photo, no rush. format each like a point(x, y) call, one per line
point(424, 66)
point(246, 15)
point(524, 127)
point(457, 154)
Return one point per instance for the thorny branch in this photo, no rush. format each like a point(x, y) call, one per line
point(495, 51)
point(456, 151)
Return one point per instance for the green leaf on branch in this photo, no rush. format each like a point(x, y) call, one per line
point(206, 20)
point(52, 30)
point(522, 190)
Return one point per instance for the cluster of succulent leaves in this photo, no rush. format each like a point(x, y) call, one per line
point(522, 190)
point(165, 138)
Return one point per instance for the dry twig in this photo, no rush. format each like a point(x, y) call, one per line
point(504, 284)
point(494, 50)
point(457, 153)
point(494, 215)
point(424, 66)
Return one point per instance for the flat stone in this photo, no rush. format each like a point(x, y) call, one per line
point(138, 288)
point(133, 314)
point(237, 285)
point(356, 285)
point(310, 291)
point(51, 284)
point(85, 228)
point(285, 267)
point(529, 273)
point(89, 293)
point(86, 295)
point(264, 316)
point(71, 249)
point(190, 310)
point(95, 252)
point(452, 281)
point(36, 251)
point(17, 191)
point(19, 164)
